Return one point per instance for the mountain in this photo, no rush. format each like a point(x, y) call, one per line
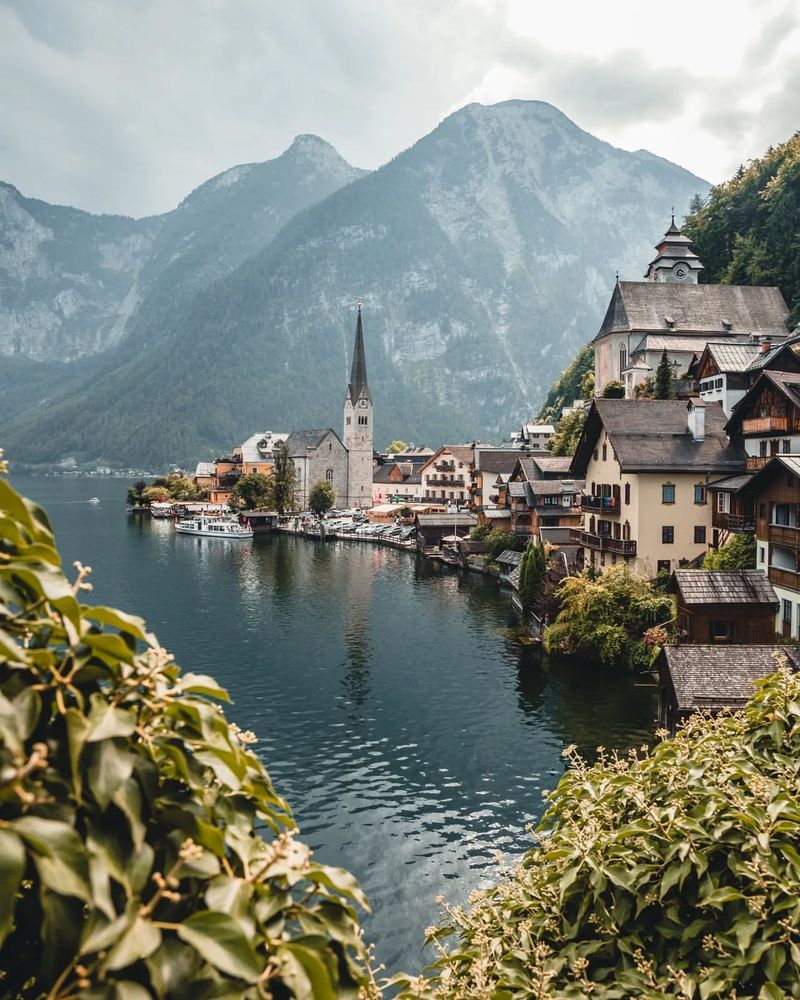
point(485, 254)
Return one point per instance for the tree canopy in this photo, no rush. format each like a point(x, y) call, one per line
point(284, 480)
point(568, 433)
point(395, 446)
point(571, 384)
point(671, 873)
point(144, 851)
point(254, 490)
point(739, 553)
point(321, 498)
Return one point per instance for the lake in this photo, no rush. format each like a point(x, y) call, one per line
point(394, 706)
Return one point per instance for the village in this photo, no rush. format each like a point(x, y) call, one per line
point(689, 447)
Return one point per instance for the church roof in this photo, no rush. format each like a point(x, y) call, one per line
point(299, 442)
point(676, 309)
point(358, 373)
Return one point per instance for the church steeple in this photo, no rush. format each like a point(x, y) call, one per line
point(676, 261)
point(358, 373)
point(358, 429)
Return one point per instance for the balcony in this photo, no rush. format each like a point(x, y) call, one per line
point(756, 462)
point(609, 505)
point(445, 467)
point(603, 543)
point(736, 522)
point(784, 578)
point(448, 481)
point(765, 425)
point(784, 534)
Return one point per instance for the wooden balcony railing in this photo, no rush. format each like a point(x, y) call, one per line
point(609, 505)
point(603, 543)
point(756, 462)
point(736, 522)
point(784, 578)
point(784, 534)
point(765, 425)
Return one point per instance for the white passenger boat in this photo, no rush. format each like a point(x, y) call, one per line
point(213, 527)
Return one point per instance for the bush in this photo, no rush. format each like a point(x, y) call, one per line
point(498, 541)
point(614, 390)
point(669, 874)
point(739, 553)
point(480, 532)
point(143, 849)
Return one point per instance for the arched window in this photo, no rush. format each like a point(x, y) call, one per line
point(329, 475)
point(623, 359)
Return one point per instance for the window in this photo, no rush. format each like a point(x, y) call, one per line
point(774, 445)
point(699, 494)
point(623, 359)
point(786, 446)
point(780, 514)
point(699, 534)
point(723, 503)
point(662, 566)
point(761, 553)
point(668, 493)
point(605, 452)
point(348, 421)
point(787, 613)
point(329, 475)
point(721, 631)
point(762, 449)
point(627, 493)
point(667, 534)
point(718, 383)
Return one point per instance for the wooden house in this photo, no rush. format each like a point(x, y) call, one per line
point(432, 528)
point(724, 606)
point(768, 418)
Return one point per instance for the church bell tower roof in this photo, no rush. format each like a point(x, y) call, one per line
point(675, 260)
point(358, 373)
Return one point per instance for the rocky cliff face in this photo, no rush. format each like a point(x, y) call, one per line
point(485, 255)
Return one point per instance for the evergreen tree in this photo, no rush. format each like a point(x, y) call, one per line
point(284, 481)
point(532, 571)
point(663, 384)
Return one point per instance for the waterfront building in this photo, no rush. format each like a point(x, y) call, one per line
point(319, 455)
point(647, 464)
point(432, 529)
point(358, 428)
point(541, 506)
point(775, 493)
point(713, 678)
point(445, 477)
point(487, 466)
point(396, 481)
point(724, 606)
point(256, 454)
point(670, 311)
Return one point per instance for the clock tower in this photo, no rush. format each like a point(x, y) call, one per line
point(676, 261)
point(358, 429)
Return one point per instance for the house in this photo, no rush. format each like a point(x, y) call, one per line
point(732, 510)
point(533, 436)
point(489, 470)
point(396, 482)
point(445, 476)
point(432, 528)
point(204, 475)
point(713, 678)
point(670, 311)
point(724, 372)
point(538, 501)
point(647, 464)
point(724, 606)
point(767, 418)
point(256, 454)
point(775, 492)
point(508, 561)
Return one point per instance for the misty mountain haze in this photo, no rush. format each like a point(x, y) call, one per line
point(485, 255)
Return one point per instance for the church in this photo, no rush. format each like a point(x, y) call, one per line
point(670, 310)
point(319, 454)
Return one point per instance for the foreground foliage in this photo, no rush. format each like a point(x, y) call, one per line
point(674, 874)
point(143, 849)
point(739, 553)
point(605, 617)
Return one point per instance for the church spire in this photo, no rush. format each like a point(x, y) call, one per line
point(358, 373)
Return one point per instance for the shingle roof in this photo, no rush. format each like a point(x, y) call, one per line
point(513, 578)
point(497, 460)
point(716, 677)
point(653, 435)
point(446, 520)
point(761, 360)
point(508, 557)
point(731, 483)
point(463, 452)
point(669, 342)
point(787, 383)
point(642, 306)
point(724, 586)
point(205, 469)
point(549, 487)
point(516, 489)
point(733, 357)
point(299, 442)
point(543, 465)
point(381, 474)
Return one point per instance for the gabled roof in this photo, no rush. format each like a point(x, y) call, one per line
point(652, 435)
point(651, 306)
point(723, 586)
point(299, 442)
point(731, 358)
point(508, 557)
point(446, 520)
point(551, 487)
point(498, 460)
point(731, 484)
point(461, 452)
point(778, 463)
point(719, 677)
point(251, 452)
point(787, 383)
point(782, 356)
point(544, 466)
point(669, 342)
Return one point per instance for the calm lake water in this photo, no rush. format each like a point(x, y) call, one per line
point(394, 707)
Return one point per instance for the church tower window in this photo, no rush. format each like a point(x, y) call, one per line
point(329, 475)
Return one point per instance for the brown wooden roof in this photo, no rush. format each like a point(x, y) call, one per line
point(724, 586)
point(718, 677)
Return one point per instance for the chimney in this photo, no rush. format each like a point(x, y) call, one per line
point(764, 346)
point(697, 419)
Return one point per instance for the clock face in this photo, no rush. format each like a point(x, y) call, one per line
point(680, 272)
point(363, 404)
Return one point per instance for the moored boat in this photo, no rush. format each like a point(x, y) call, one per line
point(213, 527)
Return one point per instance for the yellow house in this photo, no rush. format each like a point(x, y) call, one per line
point(647, 464)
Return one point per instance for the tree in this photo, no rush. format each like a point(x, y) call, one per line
point(665, 874)
point(182, 488)
point(663, 388)
point(136, 493)
point(613, 389)
point(143, 849)
point(604, 618)
point(396, 446)
point(155, 494)
point(644, 389)
point(284, 480)
point(532, 571)
point(569, 385)
point(480, 532)
point(254, 490)
point(587, 385)
point(498, 540)
point(568, 433)
point(321, 498)
point(739, 553)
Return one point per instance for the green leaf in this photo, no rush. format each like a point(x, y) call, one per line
point(203, 684)
point(59, 855)
point(770, 991)
point(138, 942)
point(305, 971)
point(221, 942)
point(111, 766)
point(126, 990)
point(341, 880)
point(12, 866)
point(129, 624)
point(108, 721)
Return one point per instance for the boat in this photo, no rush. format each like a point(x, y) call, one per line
point(213, 527)
point(94, 499)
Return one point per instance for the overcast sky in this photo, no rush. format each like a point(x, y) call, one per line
point(127, 105)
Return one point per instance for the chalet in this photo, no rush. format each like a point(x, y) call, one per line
point(767, 419)
point(714, 678)
point(670, 311)
point(397, 482)
point(432, 528)
point(724, 606)
point(724, 372)
point(647, 465)
point(732, 510)
point(775, 492)
point(445, 476)
point(487, 467)
point(534, 437)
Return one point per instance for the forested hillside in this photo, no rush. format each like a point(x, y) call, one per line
point(569, 385)
point(747, 232)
